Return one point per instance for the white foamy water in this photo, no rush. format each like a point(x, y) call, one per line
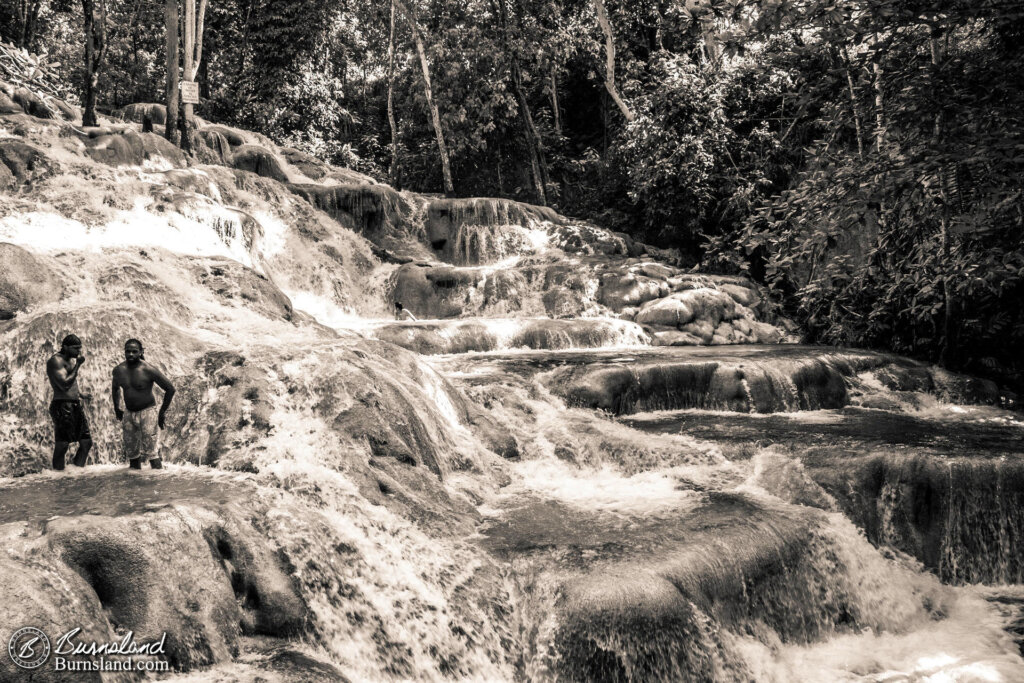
point(195, 235)
point(604, 489)
point(968, 645)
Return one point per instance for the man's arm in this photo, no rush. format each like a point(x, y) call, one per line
point(168, 388)
point(59, 373)
point(115, 396)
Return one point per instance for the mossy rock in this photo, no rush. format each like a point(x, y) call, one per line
point(32, 103)
point(24, 281)
point(118, 149)
point(156, 146)
point(26, 163)
point(260, 161)
point(9, 106)
point(307, 164)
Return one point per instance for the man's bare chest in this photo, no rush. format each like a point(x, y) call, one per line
point(137, 380)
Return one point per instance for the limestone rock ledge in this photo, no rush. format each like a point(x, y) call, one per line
point(177, 555)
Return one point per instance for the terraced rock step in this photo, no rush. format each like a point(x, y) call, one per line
point(666, 596)
point(165, 552)
point(35, 500)
point(740, 378)
point(432, 337)
point(946, 487)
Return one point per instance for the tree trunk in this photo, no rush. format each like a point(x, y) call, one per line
point(533, 141)
point(609, 74)
point(204, 79)
point(95, 47)
point(879, 111)
point(28, 13)
point(853, 104)
point(435, 116)
point(171, 26)
point(556, 114)
point(949, 327)
point(393, 170)
point(192, 54)
point(188, 120)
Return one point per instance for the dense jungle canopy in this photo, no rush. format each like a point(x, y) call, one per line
point(862, 159)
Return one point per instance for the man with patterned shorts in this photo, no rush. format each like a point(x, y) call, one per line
point(140, 420)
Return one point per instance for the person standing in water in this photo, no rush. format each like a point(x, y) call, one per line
point(140, 419)
point(402, 313)
point(70, 424)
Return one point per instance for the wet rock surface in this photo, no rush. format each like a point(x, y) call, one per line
point(170, 553)
point(338, 507)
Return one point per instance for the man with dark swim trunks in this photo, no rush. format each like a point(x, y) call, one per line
point(69, 422)
point(140, 419)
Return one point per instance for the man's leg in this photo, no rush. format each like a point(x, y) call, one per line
point(84, 437)
point(82, 456)
point(150, 432)
point(60, 449)
point(130, 440)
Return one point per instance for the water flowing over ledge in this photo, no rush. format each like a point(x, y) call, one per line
point(589, 464)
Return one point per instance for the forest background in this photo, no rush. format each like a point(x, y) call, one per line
point(862, 159)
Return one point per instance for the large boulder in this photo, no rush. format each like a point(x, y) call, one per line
point(24, 281)
point(42, 592)
point(684, 307)
point(620, 291)
point(745, 296)
point(260, 161)
point(117, 149)
point(668, 311)
point(26, 163)
point(9, 106)
point(157, 146)
point(433, 291)
point(236, 285)
point(657, 271)
point(32, 103)
point(307, 164)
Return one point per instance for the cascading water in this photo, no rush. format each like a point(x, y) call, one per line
point(533, 484)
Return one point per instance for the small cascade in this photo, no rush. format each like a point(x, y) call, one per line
point(963, 518)
point(763, 387)
point(708, 604)
point(489, 221)
point(499, 334)
point(363, 208)
point(475, 244)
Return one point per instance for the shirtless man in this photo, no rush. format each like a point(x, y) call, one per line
point(69, 421)
point(140, 419)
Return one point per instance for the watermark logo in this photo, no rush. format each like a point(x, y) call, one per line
point(29, 647)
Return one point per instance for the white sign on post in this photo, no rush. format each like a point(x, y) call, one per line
point(189, 92)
